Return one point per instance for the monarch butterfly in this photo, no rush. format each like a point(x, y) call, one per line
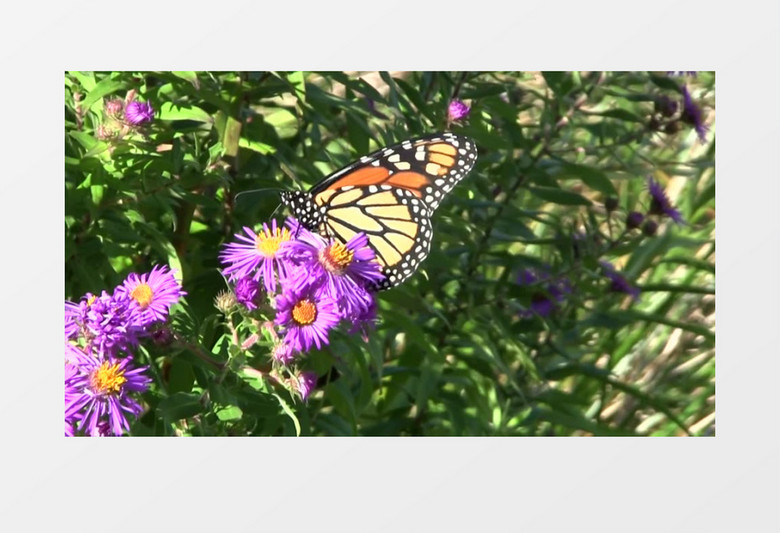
point(390, 196)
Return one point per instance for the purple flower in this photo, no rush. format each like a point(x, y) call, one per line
point(457, 110)
point(691, 114)
point(283, 353)
point(257, 254)
point(550, 292)
point(343, 271)
point(150, 296)
point(305, 383)
point(137, 113)
point(660, 203)
point(99, 393)
point(72, 312)
point(106, 321)
point(248, 292)
point(617, 282)
point(306, 315)
point(634, 220)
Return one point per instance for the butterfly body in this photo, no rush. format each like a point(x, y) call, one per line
point(390, 195)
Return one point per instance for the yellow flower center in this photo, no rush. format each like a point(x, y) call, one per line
point(91, 300)
point(143, 295)
point(304, 312)
point(336, 257)
point(269, 241)
point(107, 379)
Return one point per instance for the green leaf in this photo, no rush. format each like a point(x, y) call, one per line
point(559, 196)
point(621, 114)
point(188, 75)
point(592, 177)
point(290, 413)
point(103, 88)
point(180, 405)
point(296, 79)
point(229, 413)
point(232, 136)
point(172, 111)
point(255, 146)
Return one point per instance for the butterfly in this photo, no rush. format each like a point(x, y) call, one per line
point(390, 195)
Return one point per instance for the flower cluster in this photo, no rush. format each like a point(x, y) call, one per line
point(671, 116)
point(121, 117)
point(548, 292)
point(314, 284)
point(101, 331)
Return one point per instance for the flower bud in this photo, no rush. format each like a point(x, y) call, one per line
point(634, 220)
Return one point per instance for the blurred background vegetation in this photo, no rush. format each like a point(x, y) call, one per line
point(563, 158)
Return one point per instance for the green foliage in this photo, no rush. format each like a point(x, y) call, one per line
point(455, 351)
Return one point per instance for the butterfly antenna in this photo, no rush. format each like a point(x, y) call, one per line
point(275, 189)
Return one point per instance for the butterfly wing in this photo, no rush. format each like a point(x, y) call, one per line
point(390, 196)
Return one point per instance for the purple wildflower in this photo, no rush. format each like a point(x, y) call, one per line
point(99, 392)
point(248, 292)
point(283, 353)
point(257, 254)
point(457, 110)
point(691, 114)
point(617, 282)
point(550, 292)
point(106, 321)
point(306, 315)
point(305, 383)
point(150, 296)
point(634, 220)
point(660, 203)
point(343, 271)
point(137, 113)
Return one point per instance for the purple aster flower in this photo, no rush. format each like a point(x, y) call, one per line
point(99, 394)
point(150, 296)
point(550, 291)
point(248, 292)
point(283, 353)
point(457, 110)
point(343, 271)
point(106, 321)
point(691, 114)
point(617, 282)
point(137, 113)
point(306, 315)
point(257, 254)
point(660, 203)
point(305, 383)
point(72, 312)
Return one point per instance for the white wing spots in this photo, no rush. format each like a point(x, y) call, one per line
point(403, 165)
point(419, 155)
point(395, 158)
point(428, 199)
